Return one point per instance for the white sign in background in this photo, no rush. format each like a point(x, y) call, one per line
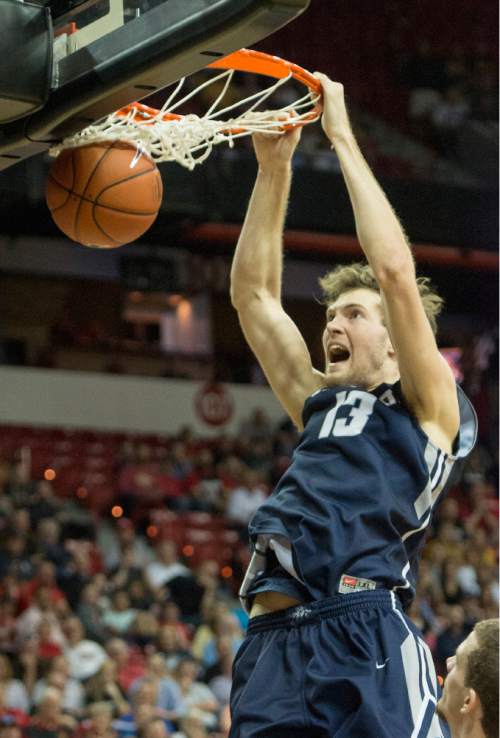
point(44, 397)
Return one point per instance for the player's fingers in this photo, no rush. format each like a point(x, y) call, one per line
point(329, 85)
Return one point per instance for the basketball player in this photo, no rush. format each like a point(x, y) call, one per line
point(329, 651)
point(469, 702)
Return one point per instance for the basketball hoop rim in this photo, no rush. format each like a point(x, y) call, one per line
point(251, 61)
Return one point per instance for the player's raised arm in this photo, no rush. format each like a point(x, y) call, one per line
point(256, 279)
point(426, 380)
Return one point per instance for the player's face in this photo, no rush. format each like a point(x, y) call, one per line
point(454, 691)
point(356, 343)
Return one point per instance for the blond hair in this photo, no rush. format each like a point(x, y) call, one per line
point(348, 277)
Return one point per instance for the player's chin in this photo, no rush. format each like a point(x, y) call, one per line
point(334, 376)
point(440, 709)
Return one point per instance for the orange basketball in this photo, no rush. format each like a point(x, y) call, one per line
point(104, 194)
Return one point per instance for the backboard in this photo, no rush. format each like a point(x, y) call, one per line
point(109, 53)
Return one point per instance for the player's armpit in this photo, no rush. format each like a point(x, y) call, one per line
point(281, 351)
point(427, 381)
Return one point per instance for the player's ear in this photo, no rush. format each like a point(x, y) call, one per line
point(471, 702)
point(391, 352)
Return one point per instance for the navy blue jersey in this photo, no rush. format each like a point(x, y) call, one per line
point(358, 497)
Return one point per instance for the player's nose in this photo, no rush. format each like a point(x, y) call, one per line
point(335, 324)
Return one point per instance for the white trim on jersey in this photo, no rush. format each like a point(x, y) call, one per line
point(440, 466)
point(421, 681)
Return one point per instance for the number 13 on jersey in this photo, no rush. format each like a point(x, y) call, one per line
point(361, 407)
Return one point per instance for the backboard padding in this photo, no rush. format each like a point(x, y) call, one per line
point(144, 55)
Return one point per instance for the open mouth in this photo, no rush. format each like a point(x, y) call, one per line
point(337, 354)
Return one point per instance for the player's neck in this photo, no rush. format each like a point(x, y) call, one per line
point(468, 730)
point(390, 377)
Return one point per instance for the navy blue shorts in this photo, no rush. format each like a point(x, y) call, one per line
point(350, 666)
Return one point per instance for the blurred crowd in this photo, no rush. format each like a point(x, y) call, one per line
point(446, 89)
point(108, 630)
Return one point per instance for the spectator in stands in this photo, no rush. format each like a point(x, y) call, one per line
point(198, 699)
point(120, 615)
point(170, 614)
point(49, 719)
point(57, 675)
point(165, 566)
point(223, 645)
point(155, 728)
point(170, 488)
point(138, 480)
point(85, 657)
point(194, 593)
point(144, 709)
point(258, 456)
point(203, 467)
point(77, 573)
point(482, 508)
point(47, 647)
point(48, 542)
point(451, 637)
point(193, 726)
point(20, 486)
point(44, 504)
point(20, 521)
point(221, 684)
point(225, 624)
point(225, 721)
point(114, 542)
point(182, 465)
point(144, 630)
point(90, 614)
point(139, 594)
point(204, 497)
point(14, 693)
point(43, 608)
point(214, 617)
point(245, 499)
point(452, 591)
point(257, 427)
point(15, 557)
point(449, 539)
point(8, 713)
point(130, 662)
point(99, 723)
point(469, 702)
point(467, 573)
point(45, 576)
point(8, 624)
point(104, 688)
point(229, 471)
point(9, 729)
point(168, 696)
point(172, 645)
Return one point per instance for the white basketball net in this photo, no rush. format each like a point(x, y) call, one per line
point(190, 139)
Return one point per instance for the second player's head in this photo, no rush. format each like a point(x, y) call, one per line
point(356, 343)
point(469, 702)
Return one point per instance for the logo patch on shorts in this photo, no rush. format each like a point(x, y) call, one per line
point(355, 584)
